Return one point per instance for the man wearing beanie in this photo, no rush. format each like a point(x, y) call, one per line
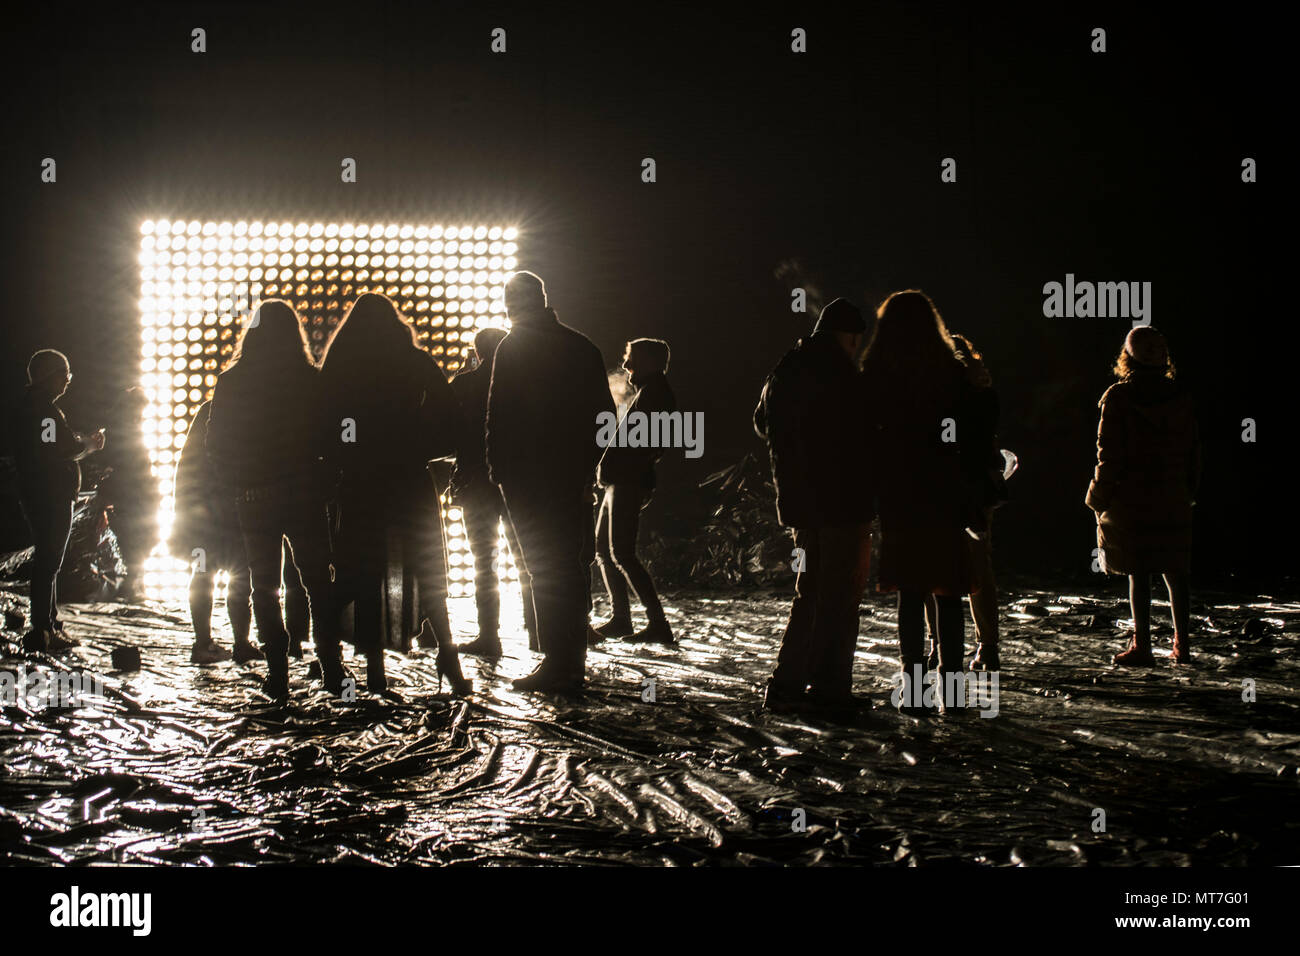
point(810, 416)
point(49, 479)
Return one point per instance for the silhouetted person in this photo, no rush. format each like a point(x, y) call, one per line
point(626, 476)
point(811, 415)
point(914, 390)
point(49, 478)
point(205, 534)
point(1144, 487)
point(548, 387)
point(130, 488)
point(392, 412)
point(481, 504)
point(983, 462)
point(265, 440)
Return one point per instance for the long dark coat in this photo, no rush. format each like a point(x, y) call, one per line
point(1148, 468)
point(811, 414)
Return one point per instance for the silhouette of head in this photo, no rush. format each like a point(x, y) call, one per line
point(273, 337)
point(645, 357)
point(48, 371)
point(1145, 352)
point(485, 344)
point(910, 340)
point(525, 296)
point(842, 319)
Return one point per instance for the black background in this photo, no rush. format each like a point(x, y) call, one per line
point(775, 169)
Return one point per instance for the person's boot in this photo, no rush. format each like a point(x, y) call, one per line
point(36, 642)
point(334, 674)
point(276, 684)
point(552, 678)
point(447, 661)
point(485, 645)
point(1182, 649)
point(986, 658)
point(245, 651)
point(656, 632)
point(60, 639)
point(594, 636)
point(783, 698)
point(615, 627)
point(911, 702)
point(1136, 655)
point(209, 652)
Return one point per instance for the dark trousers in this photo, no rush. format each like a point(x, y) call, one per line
point(821, 636)
point(616, 530)
point(911, 630)
point(555, 533)
point(51, 524)
point(239, 603)
point(484, 510)
point(275, 529)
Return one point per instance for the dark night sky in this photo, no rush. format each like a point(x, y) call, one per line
point(1120, 166)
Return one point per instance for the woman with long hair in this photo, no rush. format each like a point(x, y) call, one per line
point(1144, 486)
point(265, 441)
point(394, 411)
point(913, 387)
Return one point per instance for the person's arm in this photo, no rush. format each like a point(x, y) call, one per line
point(1110, 454)
point(599, 400)
point(221, 439)
point(502, 410)
point(440, 414)
point(788, 402)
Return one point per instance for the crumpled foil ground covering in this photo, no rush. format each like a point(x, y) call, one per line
point(181, 764)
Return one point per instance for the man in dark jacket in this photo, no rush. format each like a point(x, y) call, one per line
point(627, 479)
point(481, 504)
point(548, 389)
point(49, 476)
point(820, 465)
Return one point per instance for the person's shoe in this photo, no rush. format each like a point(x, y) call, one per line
point(1135, 655)
point(551, 679)
point(1182, 649)
point(245, 651)
point(615, 627)
point(61, 640)
point(840, 705)
point(986, 658)
point(36, 642)
point(295, 649)
point(594, 636)
point(657, 632)
point(209, 653)
point(485, 645)
point(376, 679)
point(448, 664)
point(783, 698)
point(332, 671)
point(276, 684)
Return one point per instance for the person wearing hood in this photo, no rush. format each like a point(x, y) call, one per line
point(627, 480)
point(1144, 487)
point(548, 393)
point(810, 415)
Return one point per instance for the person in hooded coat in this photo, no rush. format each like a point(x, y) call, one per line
point(811, 416)
point(914, 389)
point(392, 412)
point(548, 391)
point(1144, 487)
point(266, 437)
point(481, 504)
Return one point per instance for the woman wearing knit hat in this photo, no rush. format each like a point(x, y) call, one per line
point(1143, 490)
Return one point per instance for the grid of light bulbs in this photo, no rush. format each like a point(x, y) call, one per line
point(199, 280)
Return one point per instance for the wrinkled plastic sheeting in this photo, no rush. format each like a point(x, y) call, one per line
point(668, 758)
